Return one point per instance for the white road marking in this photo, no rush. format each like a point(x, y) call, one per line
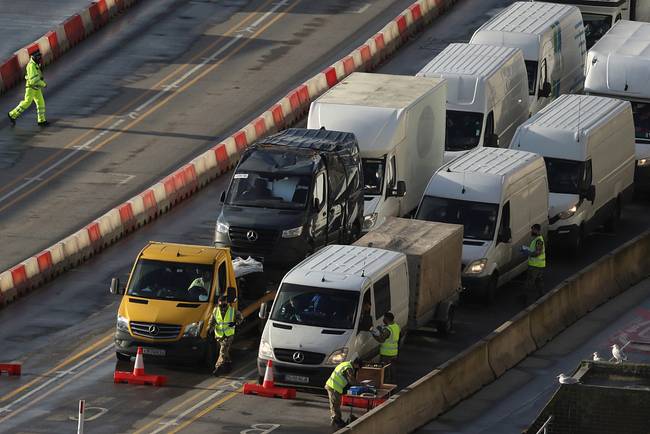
point(260, 428)
point(135, 113)
point(100, 412)
point(362, 9)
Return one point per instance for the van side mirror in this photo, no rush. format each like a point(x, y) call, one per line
point(316, 203)
point(399, 190)
point(545, 90)
point(505, 236)
point(231, 294)
point(115, 286)
point(491, 141)
point(264, 311)
point(590, 193)
point(222, 199)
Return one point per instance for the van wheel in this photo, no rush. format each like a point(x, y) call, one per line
point(355, 233)
point(445, 327)
point(491, 289)
point(210, 353)
point(122, 357)
point(576, 243)
point(612, 223)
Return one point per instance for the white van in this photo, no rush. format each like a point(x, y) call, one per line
point(618, 66)
point(497, 195)
point(600, 15)
point(552, 38)
point(588, 145)
point(487, 95)
point(399, 123)
point(314, 323)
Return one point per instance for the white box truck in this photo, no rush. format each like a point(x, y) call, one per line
point(600, 15)
point(588, 146)
point(326, 305)
point(553, 41)
point(497, 195)
point(487, 95)
point(399, 122)
point(618, 66)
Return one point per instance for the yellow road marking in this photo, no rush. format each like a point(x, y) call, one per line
point(205, 411)
point(139, 98)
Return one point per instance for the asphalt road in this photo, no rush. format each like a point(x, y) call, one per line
point(62, 332)
point(156, 87)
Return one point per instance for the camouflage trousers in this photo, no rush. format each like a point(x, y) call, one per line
point(224, 350)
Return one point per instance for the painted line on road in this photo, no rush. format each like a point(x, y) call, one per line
point(139, 98)
point(169, 97)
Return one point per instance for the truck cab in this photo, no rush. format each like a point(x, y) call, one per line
point(168, 300)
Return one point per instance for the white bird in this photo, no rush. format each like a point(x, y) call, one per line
point(597, 358)
point(619, 356)
point(566, 379)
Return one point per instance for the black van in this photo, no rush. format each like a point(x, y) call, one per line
point(291, 194)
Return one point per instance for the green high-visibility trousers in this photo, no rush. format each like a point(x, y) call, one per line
point(31, 95)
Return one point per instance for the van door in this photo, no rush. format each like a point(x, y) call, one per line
point(319, 210)
point(366, 345)
point(336, 201)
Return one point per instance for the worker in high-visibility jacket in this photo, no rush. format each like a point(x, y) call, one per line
point(388, 337)
point(536, 261)
point(343, 376)
point(224, 319)
point(34, 85)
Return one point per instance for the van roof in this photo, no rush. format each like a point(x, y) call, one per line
point(467, 68)
point(560, 124)
point(185, 253)
point(380, 90)
point(320, 140)
point(343, 267)
point(528, 17)
point(480, 175)
point(619, 63)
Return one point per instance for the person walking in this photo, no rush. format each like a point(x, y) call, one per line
point(388, 337)
point(343, 376)
point(224, 318)
point(34, 85)
point(536, 261)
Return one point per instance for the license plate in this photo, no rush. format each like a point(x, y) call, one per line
point(153, 351)
point(297, 379)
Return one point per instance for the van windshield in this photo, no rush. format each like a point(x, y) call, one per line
point(641, 112)
point(171, 281)
point(317, 307)
point(463, 130)
point(269, 190)
point(596, 25)
point(531, 69)
point(478, 218)
point(565, 176)
point(373, 176)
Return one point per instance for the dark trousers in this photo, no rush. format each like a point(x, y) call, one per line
point(390, 375)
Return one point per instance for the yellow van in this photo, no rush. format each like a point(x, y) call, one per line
point(168, 300)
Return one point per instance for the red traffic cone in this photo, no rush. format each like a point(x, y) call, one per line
point(268, 387)
point(138, 369)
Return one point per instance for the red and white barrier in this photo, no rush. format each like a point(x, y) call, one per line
point(59, 40)
point(192, 176)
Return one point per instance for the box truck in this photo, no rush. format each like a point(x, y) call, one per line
point(552, 39)
point(618, 66)
point(399, 122)
point(487, 95)
point(497, 195)
point(588, 146)
point(326, 305)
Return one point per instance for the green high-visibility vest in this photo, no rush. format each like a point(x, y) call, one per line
point(34, 77)
point(389, 346)
point(337, 380)
point(537, 261)
point(222, 323)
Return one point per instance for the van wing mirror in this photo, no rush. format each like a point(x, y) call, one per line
point(231, 294)
point(399, 190)
point(491, 141)
point(222, 199)
point(505, 236)
point(316, 203)
point(545, 90)
point(115, 286)
point(590, 193)
point(264, 311)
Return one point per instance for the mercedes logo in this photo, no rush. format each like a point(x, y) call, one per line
point(251, 236)
point(153, 330)
point(298, 357)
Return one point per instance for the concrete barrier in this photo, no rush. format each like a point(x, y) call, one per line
point(508, 345)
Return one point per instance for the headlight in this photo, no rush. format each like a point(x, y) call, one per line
point(337, 356)
point(292, 233)
point(643, 162)
point(477, 266)
point(265, 351)
point(369, 221)
point(122, 324)
point(222, 228)
point(568, 213)
point(193, 330)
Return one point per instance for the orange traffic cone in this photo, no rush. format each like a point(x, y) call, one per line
point(138, 376)
point(268, 387)
point(138, 369)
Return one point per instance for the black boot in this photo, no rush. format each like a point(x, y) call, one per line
point(12, 120)
point(216, 371)
point(43, 124)
point(226, 368)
